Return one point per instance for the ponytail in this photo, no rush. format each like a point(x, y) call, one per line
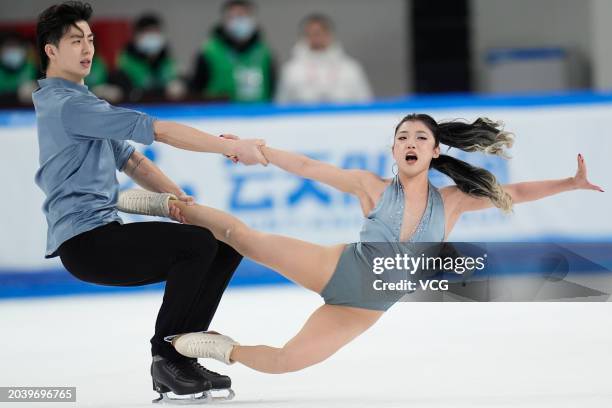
point(483, 135)
point(474, 181)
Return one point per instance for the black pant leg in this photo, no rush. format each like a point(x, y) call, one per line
point(218, 277)
point(141, 253)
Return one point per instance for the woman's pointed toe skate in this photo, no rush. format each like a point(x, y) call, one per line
point(205, 345)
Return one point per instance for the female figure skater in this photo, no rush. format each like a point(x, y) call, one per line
point(405, 208)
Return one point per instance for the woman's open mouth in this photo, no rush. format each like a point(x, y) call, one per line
point(411, 158)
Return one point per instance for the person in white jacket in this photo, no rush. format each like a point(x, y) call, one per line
point(320, 71)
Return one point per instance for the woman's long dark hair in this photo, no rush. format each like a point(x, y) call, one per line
point(483, 135)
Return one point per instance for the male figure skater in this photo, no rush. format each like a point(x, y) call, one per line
point(82, 141)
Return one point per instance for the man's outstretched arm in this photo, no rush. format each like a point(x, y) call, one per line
point(87, 117)
point(187, 138)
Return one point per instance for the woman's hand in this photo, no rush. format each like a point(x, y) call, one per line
point(580, 179)
point(175, 211)
point(247, 151)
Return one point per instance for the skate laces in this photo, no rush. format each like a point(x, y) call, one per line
point(207, 347)
point(135, 201)
point(142, 203)
point(200, 367)
point(184, 367)
point(138, 203)
point(175, 366)
point(197, 347)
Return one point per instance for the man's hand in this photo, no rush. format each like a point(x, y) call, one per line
point(175, 211)
point(247, 151)
point(234, 159)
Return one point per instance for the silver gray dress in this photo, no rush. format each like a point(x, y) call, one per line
point(380, 237)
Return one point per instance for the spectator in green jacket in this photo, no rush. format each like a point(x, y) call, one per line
point(146, 66)
point(99, 82)
point(18, 70)
point(98, 74)
point(234, 63)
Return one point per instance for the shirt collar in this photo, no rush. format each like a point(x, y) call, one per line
point(61, 82)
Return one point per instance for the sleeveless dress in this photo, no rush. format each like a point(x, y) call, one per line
point(380, 236)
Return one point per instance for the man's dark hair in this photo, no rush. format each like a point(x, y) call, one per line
point(237, 3)
point(54, 22)
point(149, 20)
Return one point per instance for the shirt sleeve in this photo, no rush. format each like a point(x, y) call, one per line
point(122, 151)
point(88, 117)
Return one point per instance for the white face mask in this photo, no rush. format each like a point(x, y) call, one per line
point(13, 57)
point(151, 44)
point(240, 28)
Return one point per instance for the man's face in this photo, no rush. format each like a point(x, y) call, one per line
point(72, 57)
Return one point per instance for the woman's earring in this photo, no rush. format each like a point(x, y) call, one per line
point(394, 169)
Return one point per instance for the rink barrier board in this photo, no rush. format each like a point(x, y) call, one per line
point(59, 282)
point(26, 117)
point(56, 281)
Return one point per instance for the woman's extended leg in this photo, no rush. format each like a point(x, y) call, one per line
point(309, 265)
point(327, 330)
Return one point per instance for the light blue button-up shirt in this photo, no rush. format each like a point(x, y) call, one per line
point(82, 142)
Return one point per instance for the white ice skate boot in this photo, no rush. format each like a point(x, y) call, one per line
point(145, 202)
point(205, 345)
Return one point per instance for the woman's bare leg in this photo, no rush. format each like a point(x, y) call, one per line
point(309, 265)
point(327, 330)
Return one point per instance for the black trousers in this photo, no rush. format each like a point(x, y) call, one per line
point(195, 266)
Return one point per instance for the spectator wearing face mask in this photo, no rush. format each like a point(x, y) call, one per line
point(145, 66)
point(17, 70)
point(320, 71)
point(234, 63)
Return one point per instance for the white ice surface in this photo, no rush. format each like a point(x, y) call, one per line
point(418, 355)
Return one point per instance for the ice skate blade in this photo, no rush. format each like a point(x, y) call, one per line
point(170, 338)
point(193, 399)
point(230, 395)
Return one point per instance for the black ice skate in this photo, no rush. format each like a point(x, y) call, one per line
point(180, 378)
point(219, 382)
